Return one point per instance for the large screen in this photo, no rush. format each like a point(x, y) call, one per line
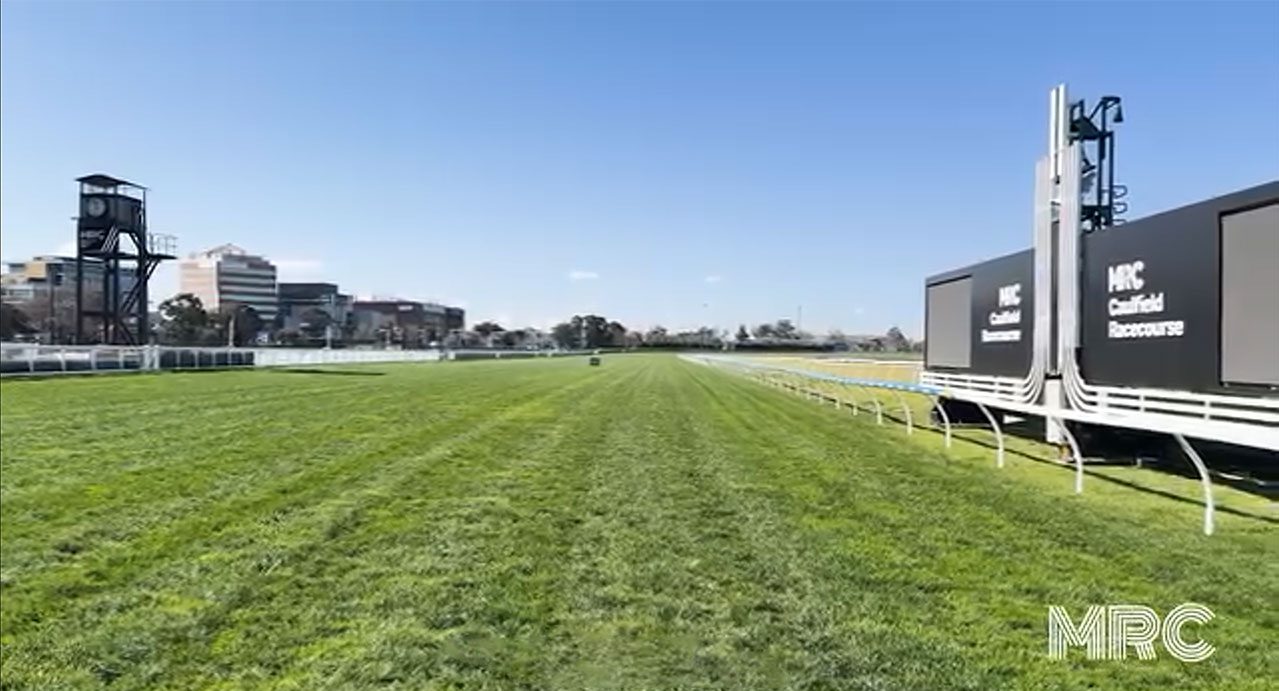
point(979, 318)
point(1185, 299)
point(948, 331)
point(1250, 296)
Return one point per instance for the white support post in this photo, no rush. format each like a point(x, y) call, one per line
point(999, 435)
point(1054, 396)
point(1210, 508)
point(879, 407)
point(851, 397)
point(910, 427)
point(945, 419)
point(1074, 452)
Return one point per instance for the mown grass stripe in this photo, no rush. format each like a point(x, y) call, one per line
point(645, 524)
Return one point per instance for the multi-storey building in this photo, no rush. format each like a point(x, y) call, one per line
point(45, 275)
point(300, 302)
point(228, 275)
point(413, 324)
point(44, 290)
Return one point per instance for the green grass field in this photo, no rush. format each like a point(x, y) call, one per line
point(543, 524)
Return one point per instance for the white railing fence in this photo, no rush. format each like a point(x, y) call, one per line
point(1184, 416)
point(31, 359)
point(26, 359)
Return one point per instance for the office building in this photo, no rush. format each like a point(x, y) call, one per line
point(413, 324)
point(228, 275)
point(300, 302)
point(49, 275)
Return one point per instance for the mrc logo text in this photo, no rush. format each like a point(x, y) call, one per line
point(1108, 631)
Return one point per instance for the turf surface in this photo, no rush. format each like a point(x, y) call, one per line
point(540, 524)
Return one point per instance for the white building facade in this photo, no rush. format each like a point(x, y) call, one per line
point(228, 275)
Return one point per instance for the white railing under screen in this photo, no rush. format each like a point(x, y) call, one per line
point(1185, 416)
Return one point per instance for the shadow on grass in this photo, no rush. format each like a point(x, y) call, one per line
point(333, 372)
point(892, 413)
point(1118, 481)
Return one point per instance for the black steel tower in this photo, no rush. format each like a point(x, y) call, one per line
point(112, 241)
point(1100, 206)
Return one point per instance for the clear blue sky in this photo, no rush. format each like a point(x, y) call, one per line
point(693, 163)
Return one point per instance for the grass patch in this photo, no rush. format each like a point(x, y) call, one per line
point(540, 524)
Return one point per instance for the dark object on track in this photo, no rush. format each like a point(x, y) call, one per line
point(595, 362)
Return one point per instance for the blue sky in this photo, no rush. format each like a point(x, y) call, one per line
point(662, 163)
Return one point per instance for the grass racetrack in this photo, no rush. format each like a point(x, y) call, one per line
point(650, 523)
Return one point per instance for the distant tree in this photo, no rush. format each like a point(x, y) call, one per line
point(599, 332)
point(51, 311)
point(895, 340)
point(513, 339)
point(315, 322)
point(487, 328)
point(701, 337)
point(14, 322)
point(742, 334)
point(765, 331)
point(616, 334)
point(183, 319)
point(655, 336)
point(237, 325)
point(589, 331)
point(785, 329)
point(564, 335)
point(530, 337)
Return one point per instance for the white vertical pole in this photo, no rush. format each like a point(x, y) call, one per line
point(1209, 506)
point(999, 435)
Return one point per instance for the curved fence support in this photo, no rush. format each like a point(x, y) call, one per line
point(945, 418)
point(910, 426)
point(879, 407)
point(999, 434)
point(852, 398)
point(1074, 452)
point(1210, 508)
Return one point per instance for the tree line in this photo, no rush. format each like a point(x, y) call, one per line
point(184, 321)
point(593, 331)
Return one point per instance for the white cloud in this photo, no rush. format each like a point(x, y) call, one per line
point(580, 275)
point(713, 278)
